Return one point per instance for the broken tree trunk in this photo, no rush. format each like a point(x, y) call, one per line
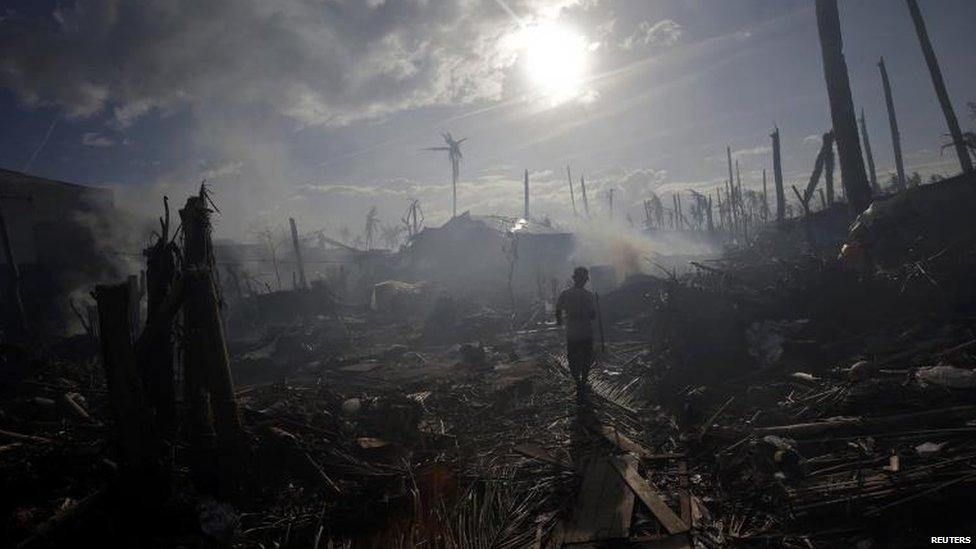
point(206, 360)
point(732, 205)
point(872, 174)
point(828, 166)
point(721, 207)
point(893, 123)
point(138, 446)
point(778, 177)
point(18, 326)
point(677, 215)
point(743, 216)
point(572, 195)
point(208, 350)
point(586, 203)
point(853, 178)
point(818, 166)
point(135, 298)
point(708, 212)
point(940, 88)
point(158, 359)
point(298, 254)
point(765, 210)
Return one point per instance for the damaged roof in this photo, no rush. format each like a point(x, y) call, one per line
point(503, 224)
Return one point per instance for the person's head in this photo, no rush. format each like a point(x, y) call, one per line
point(580, 276)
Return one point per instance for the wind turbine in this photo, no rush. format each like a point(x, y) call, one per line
point(453, 149)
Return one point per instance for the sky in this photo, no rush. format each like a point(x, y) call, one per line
point(320, 109)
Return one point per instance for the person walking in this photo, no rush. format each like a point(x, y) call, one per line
point(576, 308)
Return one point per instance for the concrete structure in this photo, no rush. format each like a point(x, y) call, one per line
point(43, 215)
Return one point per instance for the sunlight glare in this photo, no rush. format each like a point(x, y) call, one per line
point(556, 61)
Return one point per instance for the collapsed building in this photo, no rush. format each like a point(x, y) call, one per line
point(492, 254)
point(58, 233)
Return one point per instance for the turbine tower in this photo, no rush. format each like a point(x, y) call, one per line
point(453, 149)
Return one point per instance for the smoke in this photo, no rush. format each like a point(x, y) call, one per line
point(632, 250)
point(99, 246)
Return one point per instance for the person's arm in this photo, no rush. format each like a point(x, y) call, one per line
point(593, 298)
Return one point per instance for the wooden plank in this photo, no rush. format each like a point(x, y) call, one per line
point(603, 506)
point(685, 500)
point(621, 441)
point(649, 495)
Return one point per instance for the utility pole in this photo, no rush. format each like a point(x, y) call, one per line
point(854, 179)
point(526, 197)
point(940, 88)
point(893, 122)
point(872, 174)
point(611, 203)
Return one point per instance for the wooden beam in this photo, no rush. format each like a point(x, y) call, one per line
point(649, 495)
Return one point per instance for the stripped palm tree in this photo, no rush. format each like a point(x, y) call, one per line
point(372, 226)
point(453, 149)
point(413, 220)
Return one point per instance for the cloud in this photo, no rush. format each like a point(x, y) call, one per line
point(664, 33)
point(759, 150)
point(95, 139)
point(317, 63)
point(754, 151)
point(223, 171)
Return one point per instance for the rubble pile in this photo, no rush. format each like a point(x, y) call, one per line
point(777, 396)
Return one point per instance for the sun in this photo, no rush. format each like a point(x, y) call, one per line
point(556, 61)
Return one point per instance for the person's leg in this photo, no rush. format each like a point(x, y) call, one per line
point(586, 360)
point(573, 358)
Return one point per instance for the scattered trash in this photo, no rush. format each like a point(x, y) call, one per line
point(947, 376)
